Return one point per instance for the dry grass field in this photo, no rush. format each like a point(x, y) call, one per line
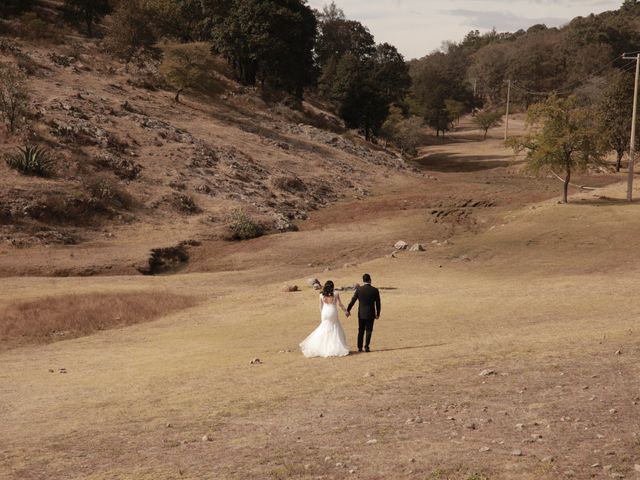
point(542, 295)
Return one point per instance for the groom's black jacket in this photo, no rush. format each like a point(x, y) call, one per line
point(369, 298)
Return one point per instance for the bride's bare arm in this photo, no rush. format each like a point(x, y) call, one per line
point(339, 300)
point(320, 302)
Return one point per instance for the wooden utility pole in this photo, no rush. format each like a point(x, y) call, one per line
point(506, 123)
point(632, 152)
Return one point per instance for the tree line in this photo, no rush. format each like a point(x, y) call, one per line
point(280, 45)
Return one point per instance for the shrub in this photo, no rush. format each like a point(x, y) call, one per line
point(34, 28)
point(105, 194)
point(190, 67)
point(405, 133)
point(242, 227)
point(289, 184)
point(184, 203)
point(14, 96)
point(31, 160)
point(132, 31)
point(487, 120)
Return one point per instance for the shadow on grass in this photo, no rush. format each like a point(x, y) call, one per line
point(604, 201)
point(411, 347)
point(449, 162)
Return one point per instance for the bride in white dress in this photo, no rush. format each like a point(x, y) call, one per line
point(328, 340)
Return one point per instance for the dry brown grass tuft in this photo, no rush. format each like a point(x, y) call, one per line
point(58, 318)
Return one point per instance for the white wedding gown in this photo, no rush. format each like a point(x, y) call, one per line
point(328, 340)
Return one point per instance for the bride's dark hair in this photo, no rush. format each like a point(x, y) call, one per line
point(327, 291)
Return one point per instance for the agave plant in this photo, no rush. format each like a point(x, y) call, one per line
point(31, 160)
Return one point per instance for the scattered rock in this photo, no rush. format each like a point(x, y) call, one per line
point(206, 438)
point(168, 425)
point(418, 247)
point(368, 374)
point(484, 449)
point(613, 411)
point(470, 426)
point(314, 283)
point(519, 426)
point(51, 370)
point(616, 475)
point(256, 361)
point(373, 441)
point(548, 459)
point(618, 352)
point(63, 370)
point(636, 467)
point(400, 245)
point(290, 288)
point(486, 372)
point(516, 453)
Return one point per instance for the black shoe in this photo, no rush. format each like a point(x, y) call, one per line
point(366, 349)
point(360, 350)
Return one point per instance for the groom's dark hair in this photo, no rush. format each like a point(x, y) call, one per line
point(366, 278)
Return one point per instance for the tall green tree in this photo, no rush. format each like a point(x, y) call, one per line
point(566, 138)
point(361, 102)
point(391, 72)
point(183, 20)
point(615, 109)
point(338, 36)
point(268, 41)
point(438, 78)
point(14, 7)
point(87, 11)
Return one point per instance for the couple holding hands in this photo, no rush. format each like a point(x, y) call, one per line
point(329, 340)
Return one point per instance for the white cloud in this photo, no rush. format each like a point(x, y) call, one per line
point(418, 27)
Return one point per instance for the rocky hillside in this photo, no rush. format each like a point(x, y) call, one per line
point(135, 167)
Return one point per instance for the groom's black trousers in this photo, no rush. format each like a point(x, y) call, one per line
point(365, 325)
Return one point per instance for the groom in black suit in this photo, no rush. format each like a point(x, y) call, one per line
point(368, 309)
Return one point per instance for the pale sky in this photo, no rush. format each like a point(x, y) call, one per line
point(417, 27)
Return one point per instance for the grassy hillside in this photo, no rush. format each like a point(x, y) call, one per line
point(134, 167)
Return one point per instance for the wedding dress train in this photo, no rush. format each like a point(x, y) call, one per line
point(328, 340)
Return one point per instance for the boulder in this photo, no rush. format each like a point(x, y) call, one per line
point(418, 247)
point(400, 245)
